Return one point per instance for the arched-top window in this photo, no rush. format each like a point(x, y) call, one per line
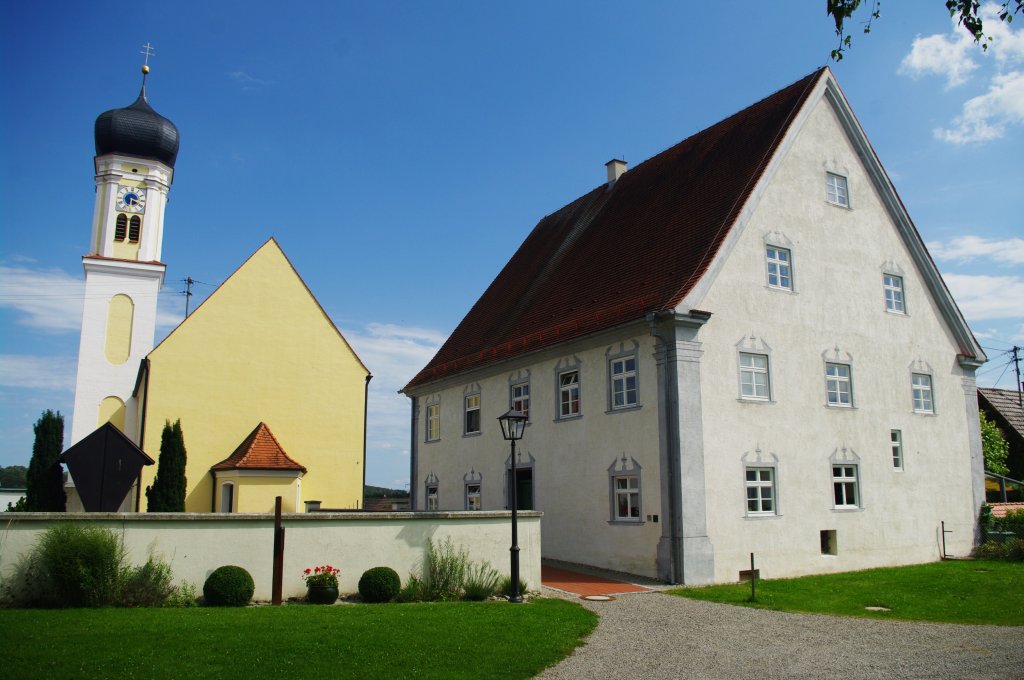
point(121, 229)
point(227, 497)
point(136, 227)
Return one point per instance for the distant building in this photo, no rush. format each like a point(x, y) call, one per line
point(740, 345)
point(1004, 408)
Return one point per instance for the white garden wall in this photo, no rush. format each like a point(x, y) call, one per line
point(195, 544)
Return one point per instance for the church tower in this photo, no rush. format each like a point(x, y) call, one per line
point(135, 152)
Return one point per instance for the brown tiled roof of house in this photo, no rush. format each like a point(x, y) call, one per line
point(626, 249)
point(1007, 404)
point(259, 451)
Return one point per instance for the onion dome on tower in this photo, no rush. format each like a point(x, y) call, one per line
point(137, 130)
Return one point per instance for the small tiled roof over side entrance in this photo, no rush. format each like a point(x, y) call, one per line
point(633, 246)
point(259, 451)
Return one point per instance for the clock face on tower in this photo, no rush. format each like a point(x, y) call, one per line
point(131, 199)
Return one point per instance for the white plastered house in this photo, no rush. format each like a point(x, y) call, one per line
point(739, 346)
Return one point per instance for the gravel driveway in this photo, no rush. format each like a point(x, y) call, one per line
point(653, 635)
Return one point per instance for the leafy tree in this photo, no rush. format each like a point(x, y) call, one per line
point(993, 446)
point(168, 491)
point(966, 11)
point(13, 476)
point(44, 485)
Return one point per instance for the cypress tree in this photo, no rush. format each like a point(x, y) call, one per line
point(168, 491)
point(44, 488)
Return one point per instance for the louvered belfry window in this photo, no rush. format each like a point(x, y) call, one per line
point(121, 228)
point(134, 229)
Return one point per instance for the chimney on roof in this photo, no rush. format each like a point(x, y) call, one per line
point(615, 169)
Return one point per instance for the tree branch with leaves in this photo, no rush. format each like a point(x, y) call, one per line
point(967, 13)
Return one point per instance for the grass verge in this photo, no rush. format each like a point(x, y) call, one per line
point(429, 640)
point(976, 592)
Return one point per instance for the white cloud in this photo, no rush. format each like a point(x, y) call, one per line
point(941, 55)
point(987, 297)
point(967, 248)
point(955, 57)
point(48, 299)
point(246, 81)
point(987, 116)
point(37, 373)
point(393, 354)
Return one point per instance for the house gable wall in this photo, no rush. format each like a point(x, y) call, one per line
point(836, 312)
point(261, 349)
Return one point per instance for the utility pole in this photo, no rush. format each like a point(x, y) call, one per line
point(1016, 367)
point(187, 293)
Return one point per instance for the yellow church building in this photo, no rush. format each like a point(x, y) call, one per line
point(271, 397)
point(259, 359)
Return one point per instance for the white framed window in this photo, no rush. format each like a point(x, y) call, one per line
point(896, 443)
point(754, 376)
point(473, 497)
point(836, 191)
point(472, 419)
point(623, 382)
point(627, 498)
point(520, 397)
point(922, 389)
point(760, 484)
point(845, 487)
point(780, 271)
point(569, 394)
point(894, 299)
point(625, 493)
point(838, 385)
point(433, 422)
point(227, 497)
point(432, 503)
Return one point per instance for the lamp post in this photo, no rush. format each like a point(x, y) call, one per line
point(512, 425)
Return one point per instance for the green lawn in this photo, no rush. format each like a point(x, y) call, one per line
point(950, 592)
point(428, 640)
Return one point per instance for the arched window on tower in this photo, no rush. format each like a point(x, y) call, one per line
point(121, 229)
point(136, 227)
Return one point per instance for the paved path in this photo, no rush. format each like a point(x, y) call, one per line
point(654, 635)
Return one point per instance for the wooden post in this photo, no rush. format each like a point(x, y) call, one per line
point(753, 580)
point(278, 553)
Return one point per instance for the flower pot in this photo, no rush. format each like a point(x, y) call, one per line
point(321, 594)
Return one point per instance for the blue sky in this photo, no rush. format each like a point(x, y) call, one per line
point(401, 151)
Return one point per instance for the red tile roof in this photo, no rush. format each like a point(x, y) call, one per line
point(259, 451)
point(621, 251)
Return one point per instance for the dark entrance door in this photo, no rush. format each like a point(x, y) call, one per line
point(524, 489)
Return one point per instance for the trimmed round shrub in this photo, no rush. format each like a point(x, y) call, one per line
point(379, 584)
point(228, 586)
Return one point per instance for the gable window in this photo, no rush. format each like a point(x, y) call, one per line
point(623, 382)
point(520, 398)
point(838, 386)
point(624, 482)
point(845, 492)
point(134, 228)
point(894, 293)
point(433, 422)
point(472, 497)
point(760, 483)
point(568, 394)
point(896, 442)
point(754, 383)
point(780, 274)
point(472, 414)
point(836, 191)
point(922, 388)
point(432, 497)
point(121, 227)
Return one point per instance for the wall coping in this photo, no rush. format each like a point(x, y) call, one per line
point(353, 516)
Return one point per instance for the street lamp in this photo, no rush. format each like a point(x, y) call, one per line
point(512, 425)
